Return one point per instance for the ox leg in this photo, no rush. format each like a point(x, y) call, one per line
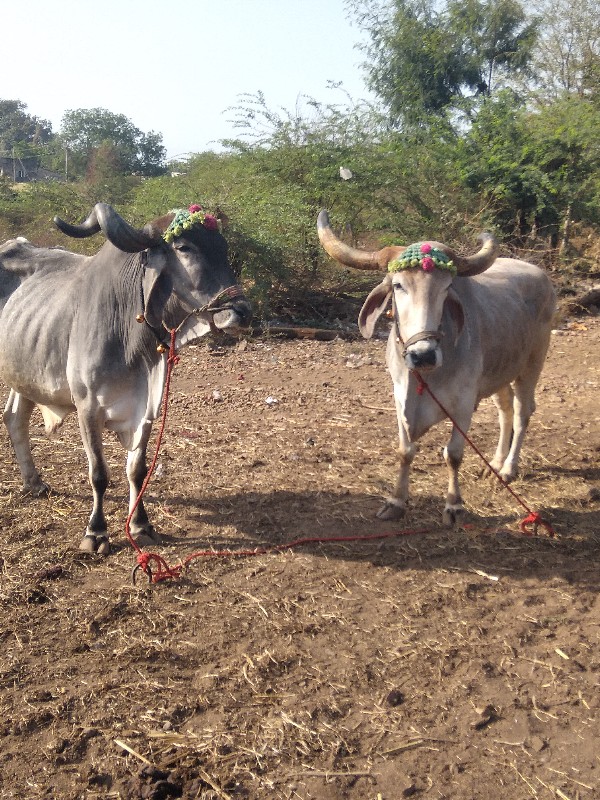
point(395, 505)
point(17, 414)
point(453, 456)
point(141, 530)
point(524, 406)
point(504, 402)
point(95, 539)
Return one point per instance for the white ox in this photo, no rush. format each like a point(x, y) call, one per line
point(472, 327)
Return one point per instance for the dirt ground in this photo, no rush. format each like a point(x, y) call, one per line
point(434, 663)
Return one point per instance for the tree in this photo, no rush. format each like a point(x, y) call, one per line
point(19, 129)
point(568, 52)
point(498, 39)
point(105, 178)
point(425, 60)
point(536, 172)
point(83, 131)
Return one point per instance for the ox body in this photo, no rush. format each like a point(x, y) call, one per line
point(89, 334)
point(471, 327)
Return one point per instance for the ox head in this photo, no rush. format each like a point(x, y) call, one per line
point(188, 281)
point(418, 281)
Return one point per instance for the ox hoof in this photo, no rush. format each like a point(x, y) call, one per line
point(146, 537)
point(391, 510)
point(452, 515)
point(95, 543)
point(488, 473)
point(40, 489)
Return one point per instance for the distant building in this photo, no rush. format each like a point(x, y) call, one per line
point(26, 170)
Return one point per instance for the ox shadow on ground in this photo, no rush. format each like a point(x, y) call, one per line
point(491, 543)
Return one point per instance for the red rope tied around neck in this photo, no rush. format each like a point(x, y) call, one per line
point(144, 560)
point(533, 517)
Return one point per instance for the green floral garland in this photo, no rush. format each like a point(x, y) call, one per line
point(185, 218)
point(422, 255)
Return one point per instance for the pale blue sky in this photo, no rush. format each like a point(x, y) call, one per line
point(176, 71)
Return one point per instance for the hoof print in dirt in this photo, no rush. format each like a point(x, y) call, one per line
point(152, 783)
point(487, 716)
point(37, 596)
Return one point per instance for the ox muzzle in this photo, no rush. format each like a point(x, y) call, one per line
point(422, 351)
point(229, 310)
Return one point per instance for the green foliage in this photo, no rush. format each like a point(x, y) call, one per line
point(567, 56)
point(271, 232)
point(84, 131)
point(498, 39)
point(465, 152)
point(429, 59)
point(533, 169)
point(29, 212)
point(19, 129)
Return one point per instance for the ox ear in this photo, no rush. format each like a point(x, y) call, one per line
point(157, 287)
point(374, 306)
point(455, 309)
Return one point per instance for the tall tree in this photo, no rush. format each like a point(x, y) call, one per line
point(18, 128)
point(83, 131)
point(498, 38)
point(568, 53)
point(426, 59)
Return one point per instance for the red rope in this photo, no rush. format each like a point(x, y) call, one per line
point(163, 571)
point(532, 518)
point(145, 559)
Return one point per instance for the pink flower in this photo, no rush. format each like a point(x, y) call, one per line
point(428, 264)
point(426, 248)
point(194, 208)
point(211, 223)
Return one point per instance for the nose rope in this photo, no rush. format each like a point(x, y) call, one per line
point(225, 297)
point(212, 306)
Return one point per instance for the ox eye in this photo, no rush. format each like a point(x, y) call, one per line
point(183, 248)
point(399, 288)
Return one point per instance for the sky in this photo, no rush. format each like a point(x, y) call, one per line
point(177, 68)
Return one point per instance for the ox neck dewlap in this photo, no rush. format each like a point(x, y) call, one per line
point(425, 256)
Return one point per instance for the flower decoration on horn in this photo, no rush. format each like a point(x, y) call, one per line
point(184, 219)
point(425, 256)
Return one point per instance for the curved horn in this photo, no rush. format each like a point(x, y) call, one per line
point(350, 256)
point(467, 266)
point(103, 217)
point(87, 228)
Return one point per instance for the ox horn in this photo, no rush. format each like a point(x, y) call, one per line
point(104, 218)
point(467, 266)
point(350, 256)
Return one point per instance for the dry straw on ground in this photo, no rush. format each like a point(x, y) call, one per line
point(446, 664)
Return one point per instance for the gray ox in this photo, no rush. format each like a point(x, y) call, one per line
point(88, 334)
point(476, 327)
